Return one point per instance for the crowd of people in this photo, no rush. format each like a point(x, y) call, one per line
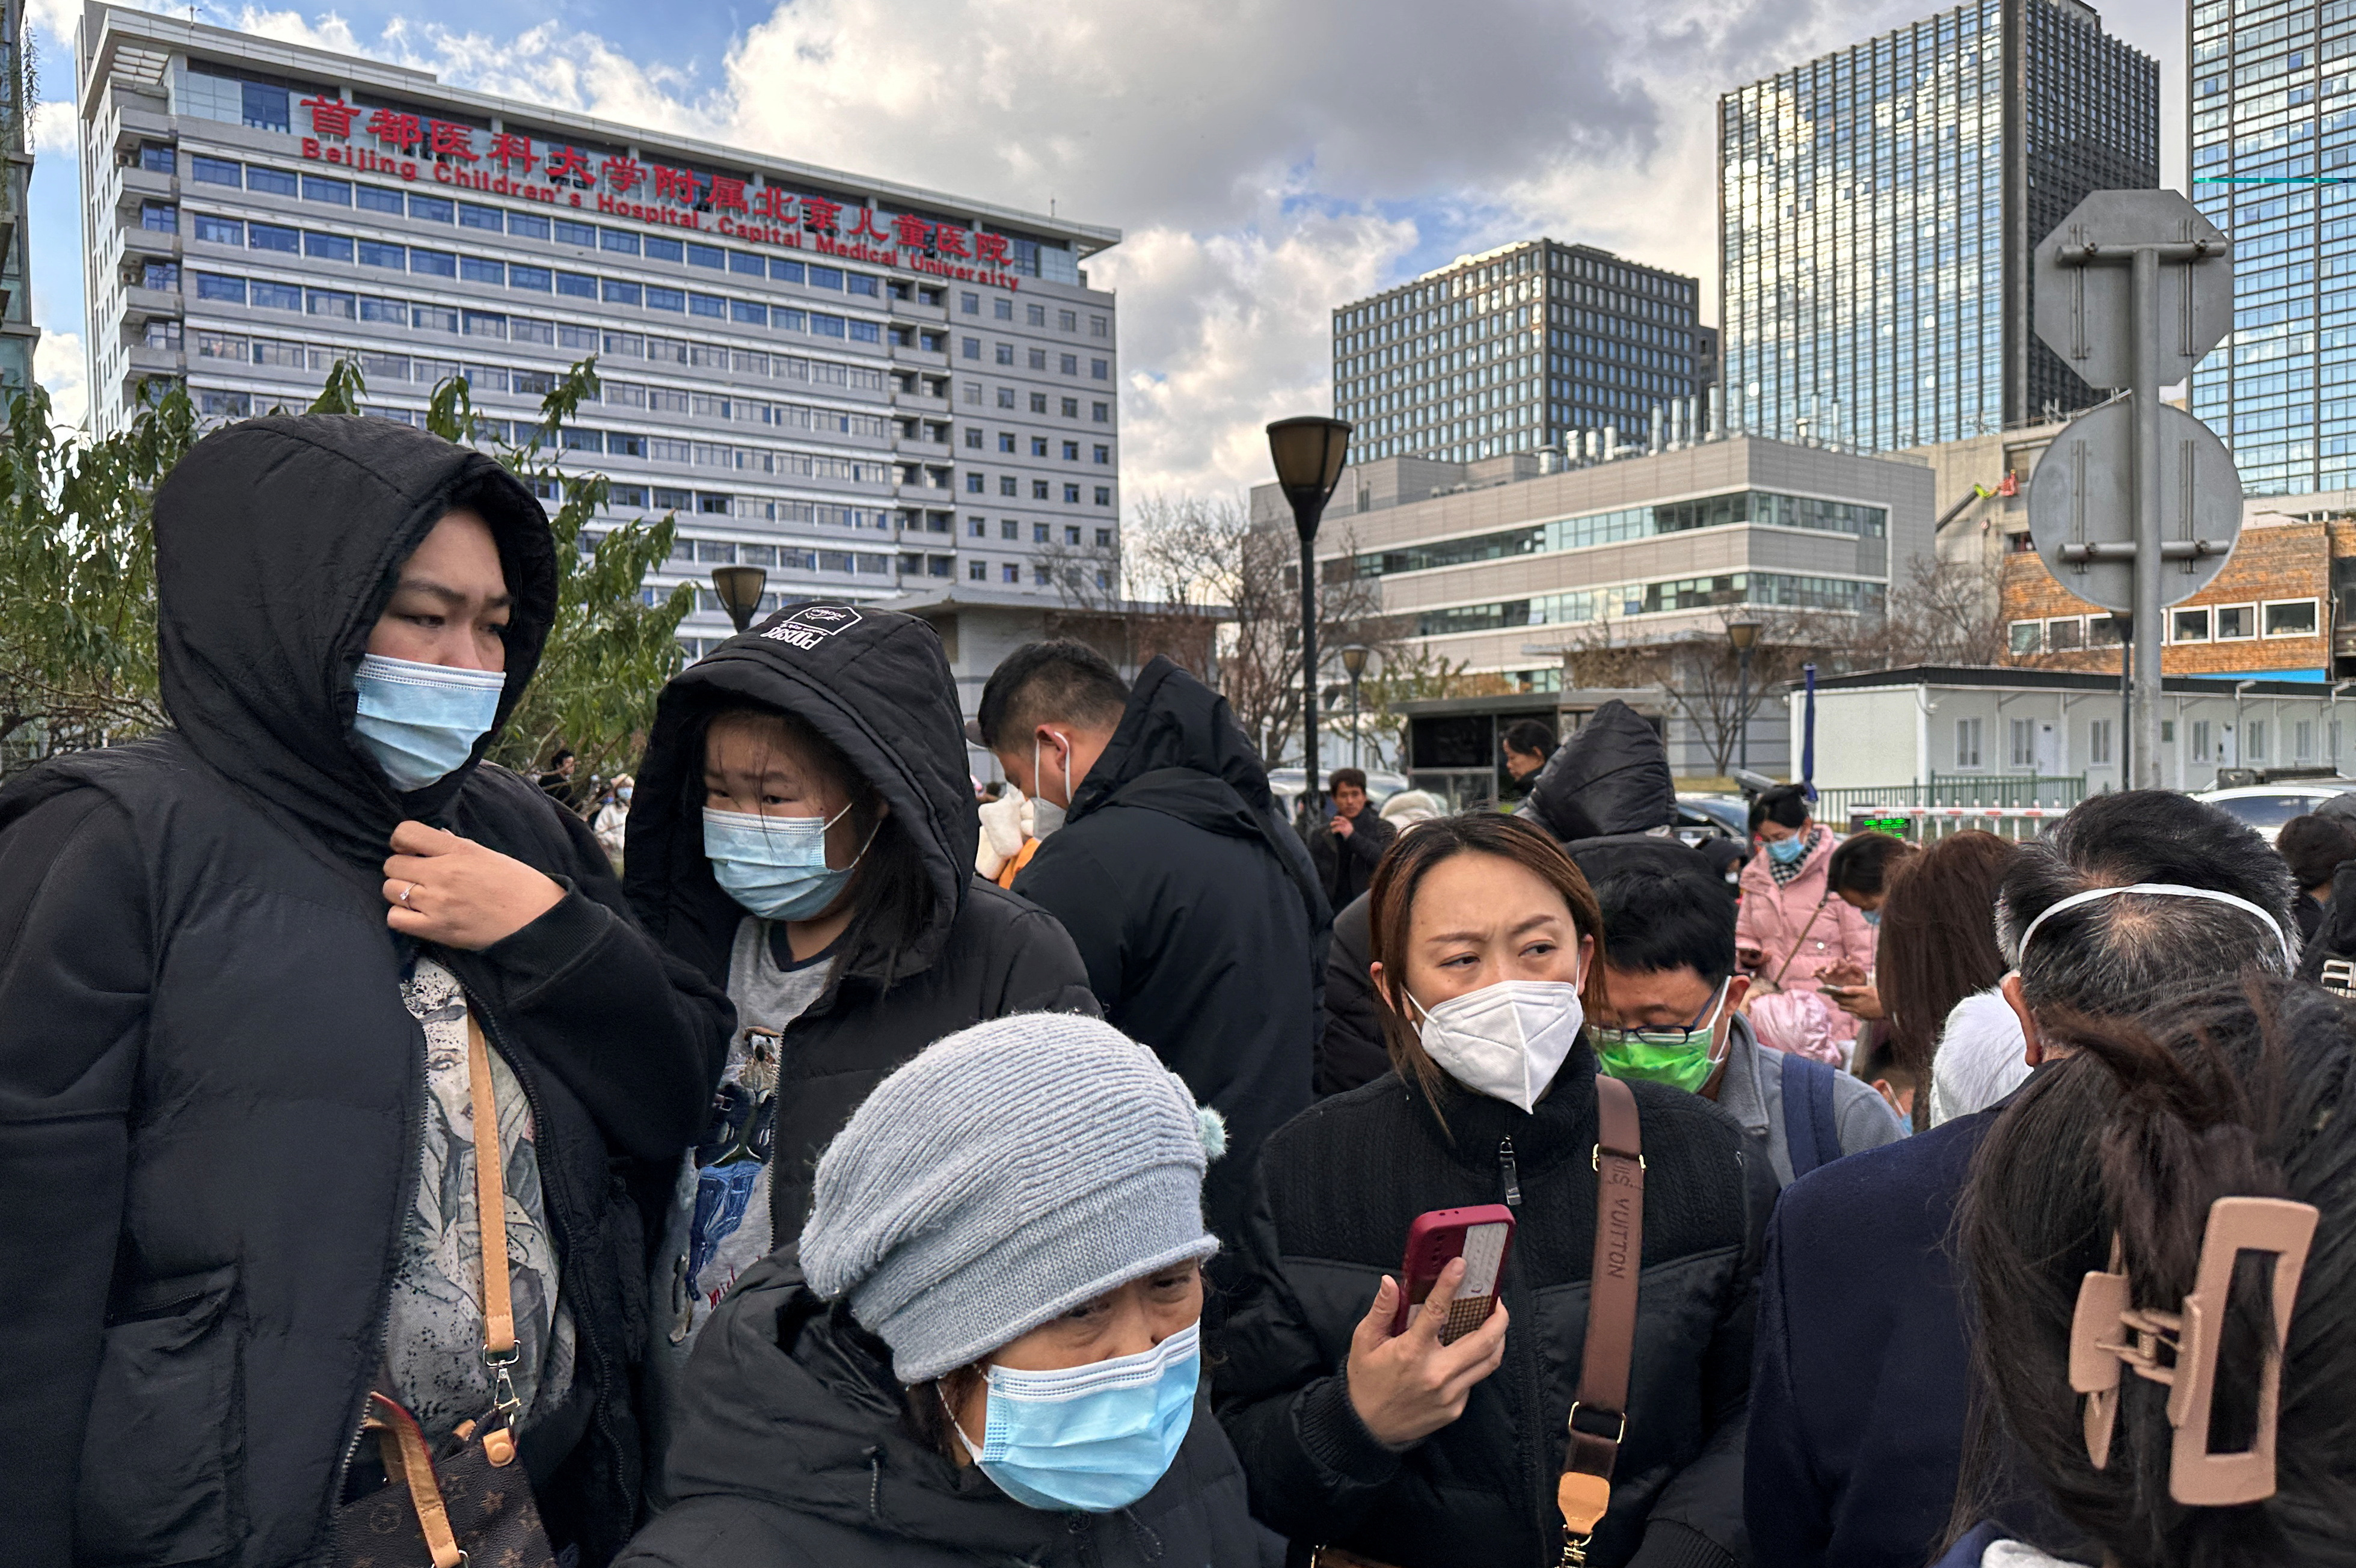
point(1118, 1170)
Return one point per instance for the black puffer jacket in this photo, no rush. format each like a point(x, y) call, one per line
point(1613, 776)
point(1339, 1186)
point(877, 685)
point(210, 1092)
point(1351, 1051)
point(1198, 912)
point(799, 1456)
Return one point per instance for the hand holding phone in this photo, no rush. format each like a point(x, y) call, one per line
point(1481, 1236)
point(1404, 1387)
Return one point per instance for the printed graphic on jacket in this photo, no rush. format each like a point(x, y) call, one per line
point(433, 1343)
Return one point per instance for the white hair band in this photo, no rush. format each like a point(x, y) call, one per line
point(2164, 890)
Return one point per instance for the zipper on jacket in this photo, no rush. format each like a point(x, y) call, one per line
point(1513, 1176)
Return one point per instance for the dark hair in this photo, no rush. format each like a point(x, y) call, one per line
point(1786, 805)
point(1391, 909)
point(564, 756)
point(1043, 683)
point(2239, 1087)
point(1354, 777)
point(1862, 863)
point(893, 889)
point(1655, 921)
point(2111, 956)
point(1530, 738)
point(2313, 847)
point(1937, 942)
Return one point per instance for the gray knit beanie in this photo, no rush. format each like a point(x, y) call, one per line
point(1007, 1174)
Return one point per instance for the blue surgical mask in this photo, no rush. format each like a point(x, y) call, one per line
point(1096, 1439)
point(420, 722)
point(1872, 916)
point(1784, 851)
point(774, 866)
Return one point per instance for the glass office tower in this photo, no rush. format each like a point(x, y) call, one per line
point(1532, 346)
point(2272, 163)
point(1878, 208)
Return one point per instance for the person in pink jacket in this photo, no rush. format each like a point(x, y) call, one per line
point(1790, 930)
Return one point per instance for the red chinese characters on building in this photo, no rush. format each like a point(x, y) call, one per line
point(819, 214)
point(624, 174)
point(774, 204)
point(445, 140)
point(949, 240)
point(991, 248)
point(727, 194)
point(401, 130)
point(865, 228)
point(331, 116)
point(568, 163)
point(914, 232)
point(512, 151)
point(675, 184)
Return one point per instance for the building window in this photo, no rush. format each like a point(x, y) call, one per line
point(1104, 538)
point(973, 484)
point(2022, 754)
point(973, 437)
point(1038, 402)
point(1005, 397)
point(2098, 742)
point(1104, 495)
point(2190, 626)
point(1009, 486)
point(2201, 740)
point(1006, 441)
point(972, 349)
point(2026, 638)
point(2236, 621)
point(977, 528)
point(1038, 359)
point(227, 231)
point(1039, 533)
point(159, 218)
point(2291, 618)
point(1099, 326)
point(1038, 446)
point(969, 304)
point(976, 570)
point(2254, 739)
point(1071, 533)
point(1039, 575)
point(1039, 491)
point(1011, 571)
point(1100, 370)
point(1068, 364)
point(215, 171)
point(1102, 454)
point(1101, 413)
point(2302, 741)
point(1006, 353)
point(1071, 452)
point(1035, 315)
point(1008, 528)
point(1071, 408)
point(1968, 741)
point(2064, 636)
point(973, 391)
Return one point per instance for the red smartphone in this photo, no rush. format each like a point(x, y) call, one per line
point(1483, 1237)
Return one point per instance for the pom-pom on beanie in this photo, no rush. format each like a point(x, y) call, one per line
point(1007, 1174)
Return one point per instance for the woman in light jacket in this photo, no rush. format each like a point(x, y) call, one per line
point(1789, 929)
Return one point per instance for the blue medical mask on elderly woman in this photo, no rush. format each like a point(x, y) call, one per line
point(1096, 1437)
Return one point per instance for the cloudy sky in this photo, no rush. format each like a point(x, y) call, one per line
point(1266, 159)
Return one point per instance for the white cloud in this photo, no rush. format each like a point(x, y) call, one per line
point(57, 365)
point(57, 132)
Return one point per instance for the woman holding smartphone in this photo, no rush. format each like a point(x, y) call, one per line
point(1404, 1449)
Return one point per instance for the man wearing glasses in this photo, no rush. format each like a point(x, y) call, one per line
point(1674, 1012)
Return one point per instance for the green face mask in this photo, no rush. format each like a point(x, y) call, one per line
point(1679, 1057)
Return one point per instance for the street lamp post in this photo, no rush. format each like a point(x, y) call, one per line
point(739, 588)
point(1353, 660)
point(1742, 635)
point(1308, 452)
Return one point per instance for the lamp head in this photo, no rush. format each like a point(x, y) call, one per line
point(739, 588)
point(1309, 452)
point(1353, 659)
point(1742, 635)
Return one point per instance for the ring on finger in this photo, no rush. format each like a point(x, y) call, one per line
point(405, 892)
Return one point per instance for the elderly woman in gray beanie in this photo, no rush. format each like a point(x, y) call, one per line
point(986, 1352)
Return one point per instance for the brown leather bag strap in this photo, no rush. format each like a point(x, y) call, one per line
point(491, 1214)
point(408, 1465)
point(1598, 1417)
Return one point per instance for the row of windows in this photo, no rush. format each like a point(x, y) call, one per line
point(2204, 623)
point(1035, 315)
point(2021, 753)
point(1066, 364)
point(1010, 530)
point(977, 483)
point(1007, 442)
point(528, 225)
point(270, 294)
point(1591, 604)
point(1633, 523)
point(1099, 414)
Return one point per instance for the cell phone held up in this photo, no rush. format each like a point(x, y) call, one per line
point(1482, 1237)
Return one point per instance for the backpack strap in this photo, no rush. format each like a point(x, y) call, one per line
point(1811, 1130)
point(1584, 1494)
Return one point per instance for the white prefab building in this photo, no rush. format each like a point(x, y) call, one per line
point(1928, 724)
point(865, 388)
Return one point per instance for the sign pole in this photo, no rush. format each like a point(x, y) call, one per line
point(2145, 392)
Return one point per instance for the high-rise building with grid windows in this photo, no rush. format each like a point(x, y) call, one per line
point(1879, 208)
point(2272, 145)
point(1534, 346)
point(865, 388)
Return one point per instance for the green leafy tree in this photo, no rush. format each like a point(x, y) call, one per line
point(78, 574)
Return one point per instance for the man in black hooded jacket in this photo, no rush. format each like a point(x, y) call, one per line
point(1193, 905)
point(229, 1155)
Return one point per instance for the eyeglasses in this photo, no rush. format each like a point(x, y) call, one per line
point(1687, 1037)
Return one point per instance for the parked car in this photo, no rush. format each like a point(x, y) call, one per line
point(1702, 815)
point(2266, 806)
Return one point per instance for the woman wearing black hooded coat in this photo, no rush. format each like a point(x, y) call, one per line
point(234, 1153)
point(823, 756)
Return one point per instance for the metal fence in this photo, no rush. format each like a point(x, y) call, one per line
point(1955, 789)
point(1929, 824)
